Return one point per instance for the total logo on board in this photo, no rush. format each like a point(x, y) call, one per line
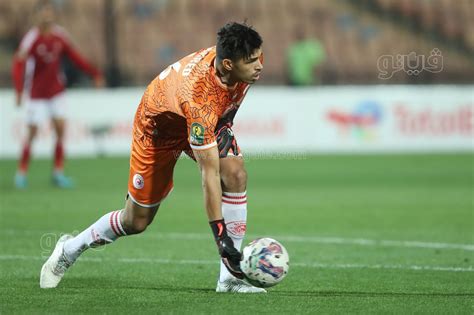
point(361, 122)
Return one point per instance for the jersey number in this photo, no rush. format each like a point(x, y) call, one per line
point(176, 66)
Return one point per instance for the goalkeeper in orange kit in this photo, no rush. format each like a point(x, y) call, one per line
point(189, 107)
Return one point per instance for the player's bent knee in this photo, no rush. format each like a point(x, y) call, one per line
point(32, 132)
point(238, 179)
point(241, 177)
point(235, 180)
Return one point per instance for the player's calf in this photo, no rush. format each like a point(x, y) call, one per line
point(136, 218)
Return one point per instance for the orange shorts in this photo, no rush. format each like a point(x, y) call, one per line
point(151, 173)
point(151, 170)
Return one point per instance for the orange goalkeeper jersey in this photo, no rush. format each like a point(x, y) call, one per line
point(186, 101)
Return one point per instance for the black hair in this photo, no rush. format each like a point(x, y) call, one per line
point(40, 4)
point(237, 41)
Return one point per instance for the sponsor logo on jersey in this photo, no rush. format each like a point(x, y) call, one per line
point(197, 133)
point(138, 181)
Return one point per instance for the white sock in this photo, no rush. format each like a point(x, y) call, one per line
point(104, 231)
point(234, 211)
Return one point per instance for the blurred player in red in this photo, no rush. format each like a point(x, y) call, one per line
point(189, 107)
point(37, 71)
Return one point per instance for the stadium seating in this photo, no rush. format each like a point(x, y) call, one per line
point(152, 34)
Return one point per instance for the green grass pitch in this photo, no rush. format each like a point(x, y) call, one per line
point(365, 233)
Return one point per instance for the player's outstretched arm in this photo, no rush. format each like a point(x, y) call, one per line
point(18, 70)
point(76, 57)
point(208, 161)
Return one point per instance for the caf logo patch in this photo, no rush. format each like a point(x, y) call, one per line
point(197, 133)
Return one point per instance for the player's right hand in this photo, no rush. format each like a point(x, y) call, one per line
point(226, 141)
point(230, 256)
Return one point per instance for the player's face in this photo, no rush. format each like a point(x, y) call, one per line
point(46, 14)
point(248, 70)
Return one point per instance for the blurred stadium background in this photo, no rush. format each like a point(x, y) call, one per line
point(134, 39)
point(406, 49)
point(381, 222)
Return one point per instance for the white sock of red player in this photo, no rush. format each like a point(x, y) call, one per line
point(104, 231)
point(234, 211)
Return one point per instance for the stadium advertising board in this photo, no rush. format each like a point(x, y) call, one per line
point(277, 120)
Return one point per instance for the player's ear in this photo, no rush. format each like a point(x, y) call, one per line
point(228, 65)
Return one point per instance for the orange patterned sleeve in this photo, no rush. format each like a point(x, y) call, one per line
point(199, 103)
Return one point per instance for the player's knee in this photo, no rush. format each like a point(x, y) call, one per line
point(236, 180)
point(32, 132)
point(136, 218)
point(241, 177)
point(60, 138)
point(60, 134)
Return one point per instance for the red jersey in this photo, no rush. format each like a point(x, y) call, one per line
point(44, 53)
point(187, 101)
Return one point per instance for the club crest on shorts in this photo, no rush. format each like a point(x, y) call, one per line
point(138, 181)
point(197, 133)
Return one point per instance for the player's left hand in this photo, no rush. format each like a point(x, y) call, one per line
point(230, 256)
point(226, 141)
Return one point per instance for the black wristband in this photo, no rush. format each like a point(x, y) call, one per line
point(218, 229)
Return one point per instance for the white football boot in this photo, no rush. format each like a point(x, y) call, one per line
point(237, 286)
point(56, 265)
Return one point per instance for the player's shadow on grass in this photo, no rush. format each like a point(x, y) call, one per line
point(369, 294)
point(101, 283)
point(181, 289)
point(105, 282)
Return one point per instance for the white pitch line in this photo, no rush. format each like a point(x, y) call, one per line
point(371, 242)
point(215, 262)
point(286, 238)
point(325, 240)
point(402, 267)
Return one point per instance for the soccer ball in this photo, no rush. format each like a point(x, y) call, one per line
point(265, 262)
